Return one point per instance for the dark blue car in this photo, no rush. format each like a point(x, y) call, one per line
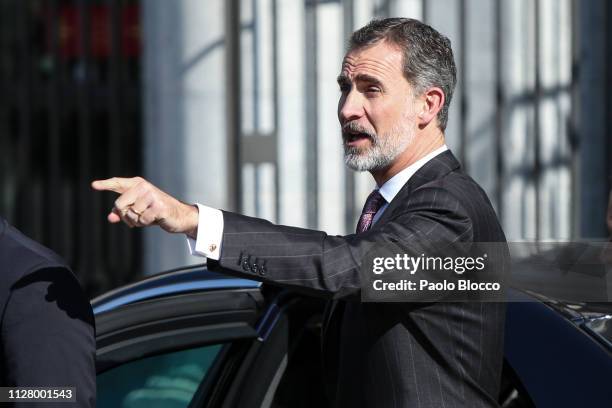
point(191, 338)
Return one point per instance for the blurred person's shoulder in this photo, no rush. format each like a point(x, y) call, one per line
point(21, 255)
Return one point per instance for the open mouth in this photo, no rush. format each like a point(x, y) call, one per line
point(356, 138)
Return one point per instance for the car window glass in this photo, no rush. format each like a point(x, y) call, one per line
point(168, 380)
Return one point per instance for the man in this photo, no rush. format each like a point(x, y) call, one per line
point(47, 327)
point(396, 84)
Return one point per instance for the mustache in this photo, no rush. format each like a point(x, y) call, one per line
point(351, 128)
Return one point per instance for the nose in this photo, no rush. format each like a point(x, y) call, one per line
point(349, 107)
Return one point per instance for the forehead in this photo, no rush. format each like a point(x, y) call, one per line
point(381, 60)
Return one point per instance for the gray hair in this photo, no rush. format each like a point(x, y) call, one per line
point(427, 54)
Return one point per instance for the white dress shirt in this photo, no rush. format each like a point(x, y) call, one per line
point(210, 220)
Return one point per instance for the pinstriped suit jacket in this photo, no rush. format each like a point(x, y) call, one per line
point(436, 354)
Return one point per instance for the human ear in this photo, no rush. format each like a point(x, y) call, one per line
point(432, 101)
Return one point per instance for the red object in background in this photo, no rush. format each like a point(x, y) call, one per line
point(130, 34)
point(71, 33)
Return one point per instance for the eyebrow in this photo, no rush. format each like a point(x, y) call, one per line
point(343, 79)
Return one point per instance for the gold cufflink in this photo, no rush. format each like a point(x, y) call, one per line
point(212, 247)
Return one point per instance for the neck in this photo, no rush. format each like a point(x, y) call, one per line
point(421, 146)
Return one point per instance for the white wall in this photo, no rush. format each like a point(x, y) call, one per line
point(184, 106)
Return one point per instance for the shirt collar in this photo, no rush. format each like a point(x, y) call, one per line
point(392, 186)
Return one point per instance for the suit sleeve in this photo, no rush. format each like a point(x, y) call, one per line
point(48, 334)
point(320, 264)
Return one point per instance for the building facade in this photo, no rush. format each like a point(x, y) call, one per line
point(232, 103)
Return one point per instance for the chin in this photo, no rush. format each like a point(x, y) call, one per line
point(355, 161)
point(364, 162)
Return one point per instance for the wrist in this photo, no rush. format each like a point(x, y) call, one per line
point(192, 218)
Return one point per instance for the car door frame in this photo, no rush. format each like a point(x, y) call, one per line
point(183, 321)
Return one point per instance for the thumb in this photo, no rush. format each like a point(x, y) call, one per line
point(113, 218)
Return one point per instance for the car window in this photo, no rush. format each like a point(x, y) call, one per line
point(167, 380)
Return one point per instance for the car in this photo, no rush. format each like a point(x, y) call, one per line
point(194, 338)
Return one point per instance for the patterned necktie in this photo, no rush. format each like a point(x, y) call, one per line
point(372, 205)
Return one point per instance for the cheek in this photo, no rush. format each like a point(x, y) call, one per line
point(384, 117)
point(410, 114)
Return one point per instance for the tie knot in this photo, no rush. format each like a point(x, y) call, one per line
point(373, 203)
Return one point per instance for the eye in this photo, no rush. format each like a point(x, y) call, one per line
point(372, 91)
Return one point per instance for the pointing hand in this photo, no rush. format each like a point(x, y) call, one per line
point(141, 204)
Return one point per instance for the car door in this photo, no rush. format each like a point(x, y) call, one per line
point(183, 350)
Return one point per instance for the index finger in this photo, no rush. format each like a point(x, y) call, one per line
point(117, 184)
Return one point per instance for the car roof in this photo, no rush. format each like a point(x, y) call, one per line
point(170, 283)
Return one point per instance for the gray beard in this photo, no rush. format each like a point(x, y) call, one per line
point(381, 154)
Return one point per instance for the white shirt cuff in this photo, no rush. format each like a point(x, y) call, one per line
point(210, 233)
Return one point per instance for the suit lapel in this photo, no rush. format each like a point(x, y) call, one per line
point(434, 169)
